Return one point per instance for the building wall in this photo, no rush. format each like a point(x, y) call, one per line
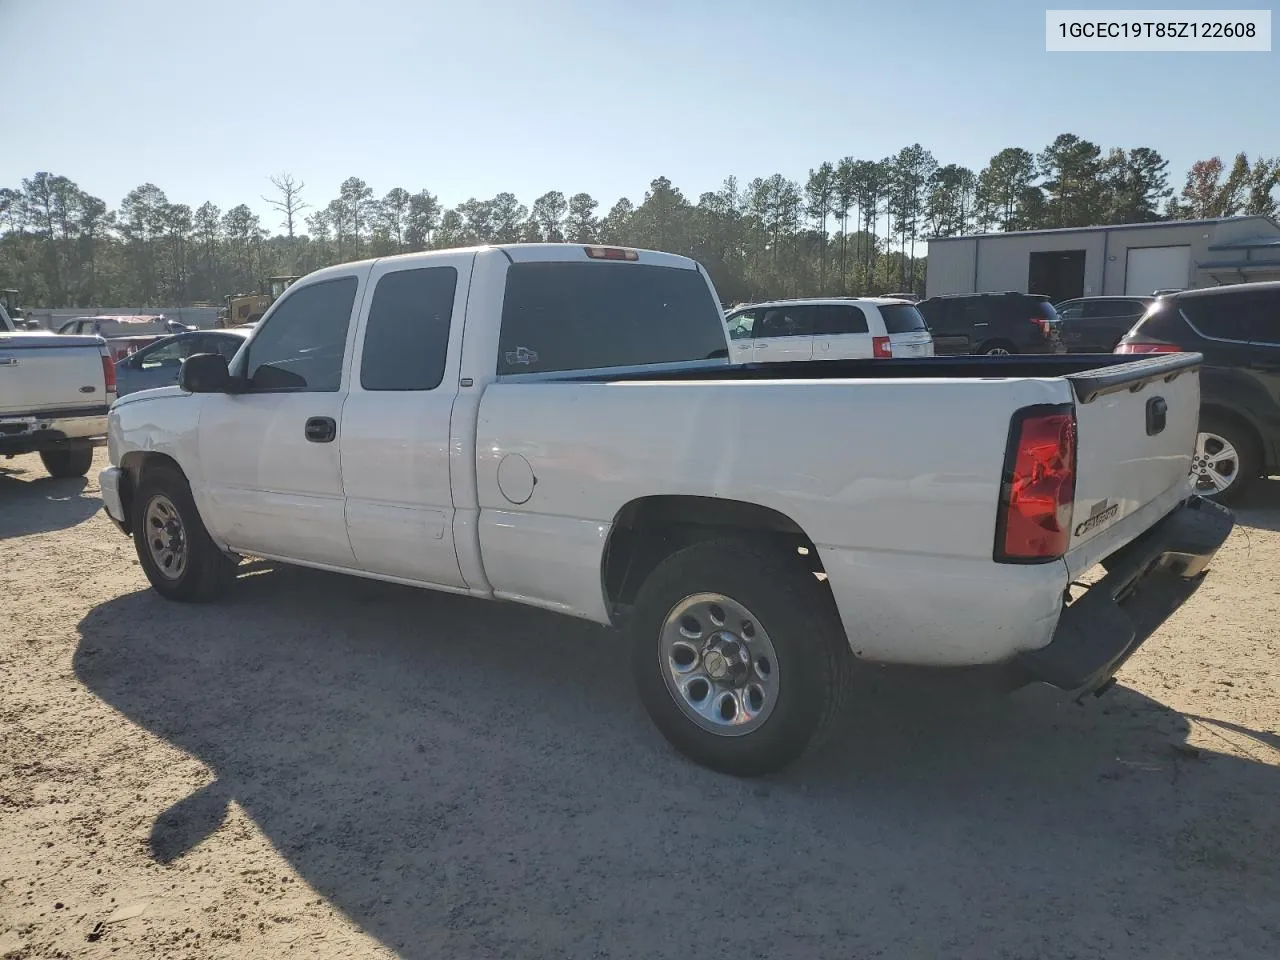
point(1197, 236)
point(1003, 260)
point(950, 267)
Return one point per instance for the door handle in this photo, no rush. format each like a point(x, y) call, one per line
point(761, 346)
point(321, 429)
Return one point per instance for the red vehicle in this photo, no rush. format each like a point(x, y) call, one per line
point(125, 335)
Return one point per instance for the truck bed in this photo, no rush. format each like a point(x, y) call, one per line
point(1091, 375)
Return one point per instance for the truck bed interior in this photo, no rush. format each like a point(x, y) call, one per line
point(1091, 374)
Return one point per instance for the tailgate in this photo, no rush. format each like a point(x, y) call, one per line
point(50, 372)
point(1136, 429)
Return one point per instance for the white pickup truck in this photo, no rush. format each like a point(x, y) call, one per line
point(560, 426)
point(54, 395)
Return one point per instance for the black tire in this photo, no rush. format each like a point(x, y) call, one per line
point(208, 571)
point(991, 346)
point(1248, 465)
point(814, 662)
point(67, 461)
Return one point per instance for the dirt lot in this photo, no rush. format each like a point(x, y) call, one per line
point(327, 767)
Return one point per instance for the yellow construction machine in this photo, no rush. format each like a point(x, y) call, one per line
point(245, 309)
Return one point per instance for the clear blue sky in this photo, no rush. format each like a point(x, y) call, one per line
point(206, 99)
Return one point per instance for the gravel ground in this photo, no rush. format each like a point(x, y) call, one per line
point(326, 767)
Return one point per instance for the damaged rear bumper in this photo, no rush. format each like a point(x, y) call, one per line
point(1146, 581)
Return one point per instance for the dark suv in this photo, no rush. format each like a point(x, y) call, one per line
point(1237, 328)
point(1096, 324)
point(991, 323)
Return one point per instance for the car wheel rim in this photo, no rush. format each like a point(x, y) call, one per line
point(719, 664)
point(166, 537)
point(1215, 463)
point(997, 352)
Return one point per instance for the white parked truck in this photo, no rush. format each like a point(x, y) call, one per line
point(54, 395)
point(560, 426)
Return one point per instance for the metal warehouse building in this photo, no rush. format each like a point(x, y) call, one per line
point(1132, 259)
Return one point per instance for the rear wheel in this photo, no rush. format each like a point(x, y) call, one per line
point(67, 461)
point(997, 348)
point(1226, 459)
point(738, 655)
point(175, 550)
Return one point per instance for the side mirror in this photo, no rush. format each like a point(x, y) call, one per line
point(204, 373)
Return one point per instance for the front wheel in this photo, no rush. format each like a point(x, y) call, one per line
point(997, 348)
point(175, 550)
point(67, 461)
point(738, 655)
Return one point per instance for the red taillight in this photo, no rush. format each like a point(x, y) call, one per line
point(1043, 324)
point(611, 253)
point(881, 347)
point(1038, 488)
point(1147, 348)
point(109, 373)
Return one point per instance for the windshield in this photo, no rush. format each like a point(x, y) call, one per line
point(583, 316)
point(902, 318)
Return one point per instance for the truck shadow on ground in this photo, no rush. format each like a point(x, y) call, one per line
point(1260, 506)
point(464, 778)
point(35, 504)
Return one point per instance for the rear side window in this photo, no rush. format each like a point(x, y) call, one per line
point(787, 322)
point(902, 318)
point(1225, 317)
point(1266, 317)
point(834, 320)
point(407, 337)
point(582, 316)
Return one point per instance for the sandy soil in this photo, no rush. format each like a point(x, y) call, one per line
point(329, 768)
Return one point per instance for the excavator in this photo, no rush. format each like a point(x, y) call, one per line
point(246, 309)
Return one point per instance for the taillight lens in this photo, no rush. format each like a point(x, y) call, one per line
point(1147, 348)
point(1038, 488)
point(881, 347)
point(109, 373)
point(1046, 329)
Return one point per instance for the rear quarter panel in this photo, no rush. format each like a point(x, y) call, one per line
point(896, 482)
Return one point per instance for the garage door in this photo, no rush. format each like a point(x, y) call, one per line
point(1156, 268)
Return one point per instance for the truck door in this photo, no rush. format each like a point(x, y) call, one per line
point(395, 425)
point(271, 479)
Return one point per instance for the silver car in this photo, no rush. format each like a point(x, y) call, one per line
point(157, 364)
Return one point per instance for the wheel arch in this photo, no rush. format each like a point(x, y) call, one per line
point(996, 342)
point(649, 529)
point(134, 466)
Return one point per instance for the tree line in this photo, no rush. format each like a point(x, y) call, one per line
point(853, 226)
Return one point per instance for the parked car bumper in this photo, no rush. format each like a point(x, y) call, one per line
point(1146, 581)
point(110, 482)
point(37, 432)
